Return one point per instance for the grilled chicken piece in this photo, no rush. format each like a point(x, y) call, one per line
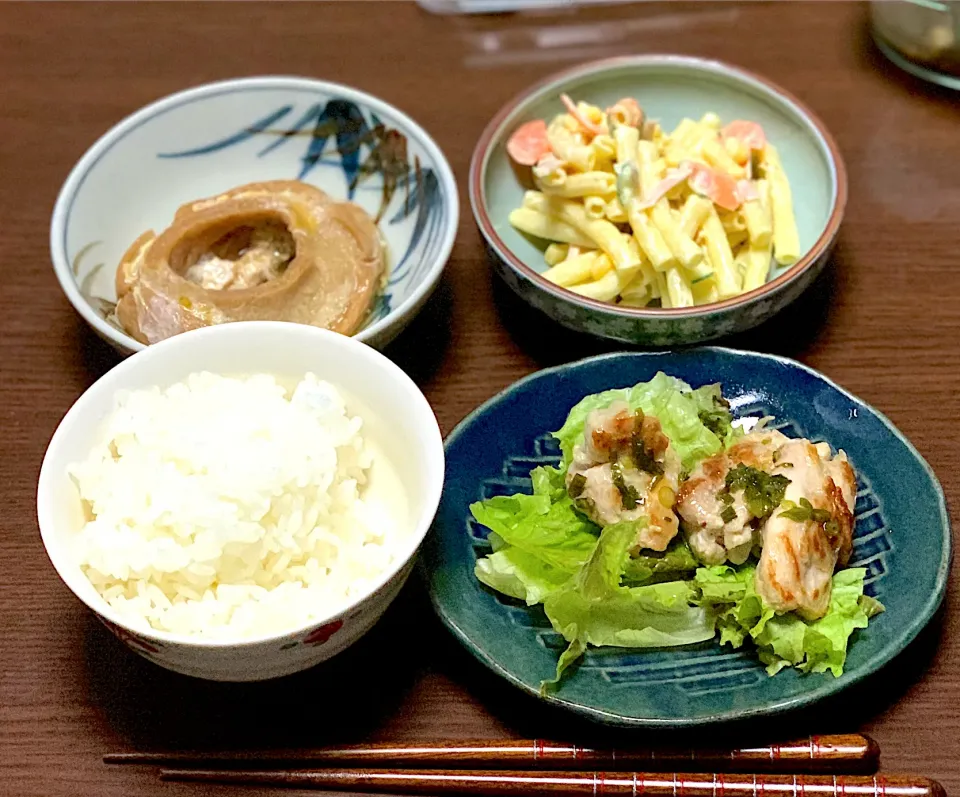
point(713, 540)
point(625, 469)
point(799, 556)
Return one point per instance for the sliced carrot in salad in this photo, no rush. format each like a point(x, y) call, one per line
point(529, 143)
point(719, 187)
point(750, 133)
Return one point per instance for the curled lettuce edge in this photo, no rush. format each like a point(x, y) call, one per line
point(787, 640)
point(593, 608)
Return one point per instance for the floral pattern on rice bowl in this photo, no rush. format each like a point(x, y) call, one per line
point(321, 635)
point(131, 640)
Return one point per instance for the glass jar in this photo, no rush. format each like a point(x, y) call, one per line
point(921, 37)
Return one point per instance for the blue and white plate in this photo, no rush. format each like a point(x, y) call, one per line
point(206, 140)
point(902, 538)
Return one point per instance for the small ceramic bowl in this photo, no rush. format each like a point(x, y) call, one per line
point(669, 88)
point(396, 417)
point(206, 140)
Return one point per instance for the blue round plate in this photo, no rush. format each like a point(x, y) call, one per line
point(902, 537)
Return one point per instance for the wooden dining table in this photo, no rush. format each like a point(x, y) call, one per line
point(883, 321)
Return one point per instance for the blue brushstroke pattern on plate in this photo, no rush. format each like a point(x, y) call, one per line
point(902, 538)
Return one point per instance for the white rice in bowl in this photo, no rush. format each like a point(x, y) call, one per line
point(230, 508)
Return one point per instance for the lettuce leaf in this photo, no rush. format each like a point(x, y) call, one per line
point(787, 640)
point(549, 482)
point(550, 530)
point(679, 409)
point(593, 608)
point(520, 575)
point(539, 540)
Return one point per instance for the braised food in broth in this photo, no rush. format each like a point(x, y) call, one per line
point(273, 251)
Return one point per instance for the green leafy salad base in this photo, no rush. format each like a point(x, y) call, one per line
point(594, 592)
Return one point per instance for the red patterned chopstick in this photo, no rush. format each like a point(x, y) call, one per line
point(571, 784)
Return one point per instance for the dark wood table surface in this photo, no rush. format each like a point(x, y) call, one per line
point(883, 322)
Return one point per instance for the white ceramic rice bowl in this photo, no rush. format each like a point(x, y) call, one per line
point(396, 416)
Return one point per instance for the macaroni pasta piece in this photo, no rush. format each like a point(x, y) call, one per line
point(569, 147)
point(583, 185)
point(548, 228)
point(604, 289)
point(721, 256)
point(573, 270)
point(556, 253)
point(757, 216)
point(786, 242)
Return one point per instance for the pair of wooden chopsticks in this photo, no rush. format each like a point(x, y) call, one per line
point(824, 766)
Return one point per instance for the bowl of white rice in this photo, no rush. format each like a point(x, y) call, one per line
point(243, 501)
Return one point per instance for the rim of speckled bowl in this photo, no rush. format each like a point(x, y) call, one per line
point(89, 160)
point(497, 127)
point(97, 399)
